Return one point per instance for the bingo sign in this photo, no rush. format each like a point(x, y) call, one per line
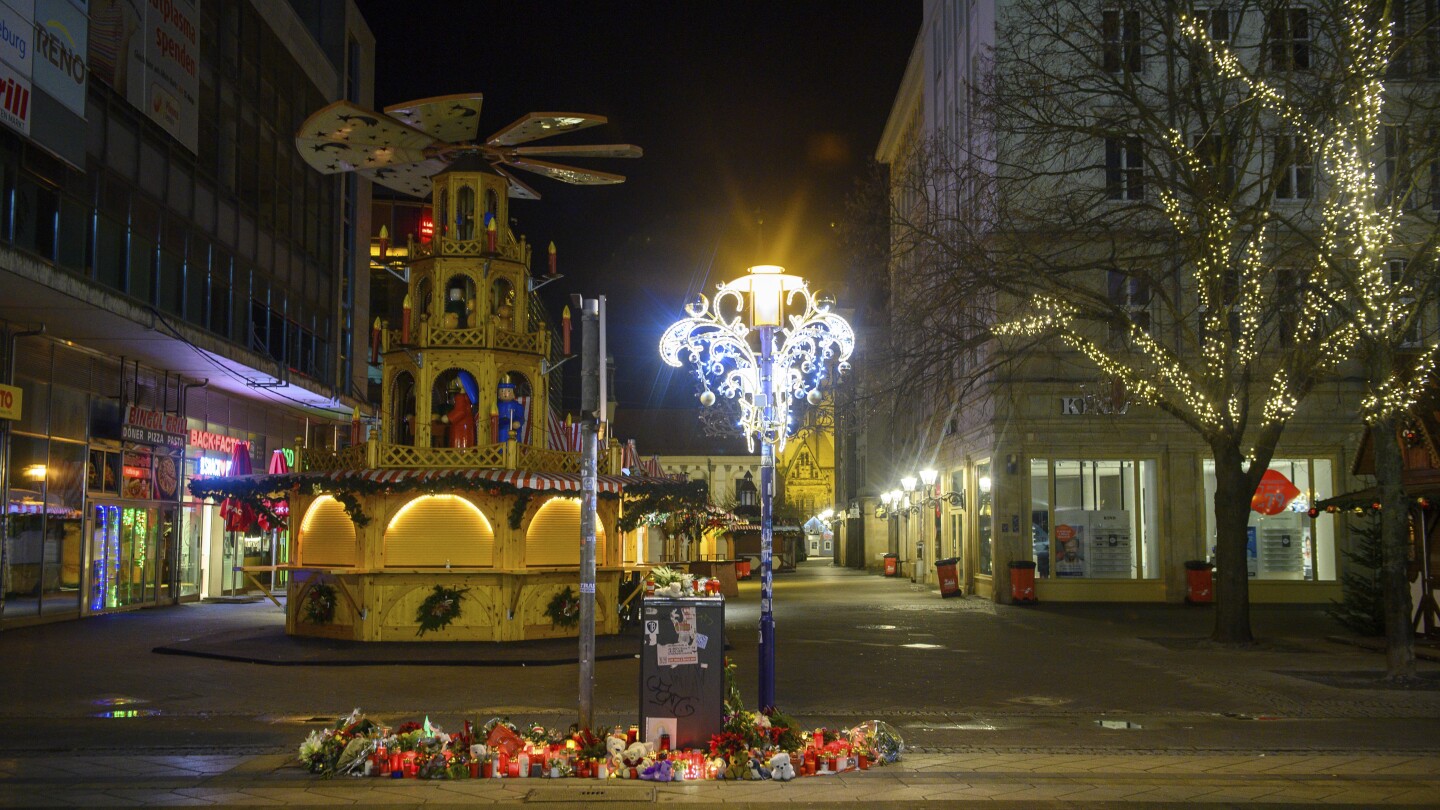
point(11, 399)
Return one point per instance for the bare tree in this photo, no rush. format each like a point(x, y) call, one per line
point(1138, 185)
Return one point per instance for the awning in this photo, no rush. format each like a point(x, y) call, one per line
point(520, 479)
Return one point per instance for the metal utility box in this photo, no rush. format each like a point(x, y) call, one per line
point(682, 670)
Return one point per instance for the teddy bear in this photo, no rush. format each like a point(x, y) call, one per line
point(633, 758)
point(615, 752)
point(780, 767)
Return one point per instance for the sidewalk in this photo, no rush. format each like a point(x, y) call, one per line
point(1027, 780)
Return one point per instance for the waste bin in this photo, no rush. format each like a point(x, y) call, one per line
point(742, 568)
point(1022, 582)
point(1199, 582)
point(682, 670)
point(949, 574)
point(892, 564)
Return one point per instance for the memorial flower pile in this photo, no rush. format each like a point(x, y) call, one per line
point(752, 746)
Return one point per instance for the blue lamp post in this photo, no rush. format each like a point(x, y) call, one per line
point(796, 338)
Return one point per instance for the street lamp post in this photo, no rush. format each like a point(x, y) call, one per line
point(908, 484)
point(927, 478)
point(796, 338)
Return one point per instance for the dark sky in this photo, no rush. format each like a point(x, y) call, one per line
point(740, 107)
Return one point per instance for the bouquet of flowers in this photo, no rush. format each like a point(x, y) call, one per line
point(341, 748)
point(670, 582)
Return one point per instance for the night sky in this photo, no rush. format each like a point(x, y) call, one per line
point(742, 107)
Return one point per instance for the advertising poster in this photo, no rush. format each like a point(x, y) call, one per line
point(1070, 536)
point(1280, 546)
point(150, 52)
point(1110, 547)
point(17, 39)
point(61, 43)
point(15, 103)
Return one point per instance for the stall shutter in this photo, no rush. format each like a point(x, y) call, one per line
point(554, 535)
point(435, 530)
point(327, 535)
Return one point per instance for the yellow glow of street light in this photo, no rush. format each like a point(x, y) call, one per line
point(908, 482)
point(885, 498)
point(928, 477)
point(767, 285)
point(984, 483)
point(35, 472)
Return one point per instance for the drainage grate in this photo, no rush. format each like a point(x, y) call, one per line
point(598, 793)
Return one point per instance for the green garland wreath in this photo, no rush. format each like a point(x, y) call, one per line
point(320, 604)
point(439, 608)
point(641, 498)
point(564, 609)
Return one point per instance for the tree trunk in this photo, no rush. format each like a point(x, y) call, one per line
point(1233, 491)
point(1394, 545)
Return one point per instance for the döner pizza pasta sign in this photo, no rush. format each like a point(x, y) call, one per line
point(152, 427)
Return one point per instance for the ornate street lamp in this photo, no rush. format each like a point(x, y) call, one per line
point(796, 338)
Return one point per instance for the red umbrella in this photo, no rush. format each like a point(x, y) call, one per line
point(239, 516)
point(278, 466)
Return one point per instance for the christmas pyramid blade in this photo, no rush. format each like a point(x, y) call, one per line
point(329, 157)
point(518, 189)
point(595, 150)
point(451, 119)
point(534, 126)
point(409, 178)
point(345, 121)
point(573, 175)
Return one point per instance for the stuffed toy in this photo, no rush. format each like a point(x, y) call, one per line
point(780, 767)
point(614, 752)
point(757, 767)
point(738, 769)
point(661, 770)
point(719, 766)
point(632, 759)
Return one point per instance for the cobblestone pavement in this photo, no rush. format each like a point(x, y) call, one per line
point(1071, 705)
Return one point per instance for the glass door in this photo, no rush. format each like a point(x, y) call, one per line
point(104, 556)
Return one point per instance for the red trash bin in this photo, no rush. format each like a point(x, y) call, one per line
point(742, 568)
point(1199, 582)
point(949, 573)
point(892, 564)
point(1022, 582)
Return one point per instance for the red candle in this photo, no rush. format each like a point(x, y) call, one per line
point(375, 341)
point(490, 234)
point(632, 735)
point(552, 258)
point(565, 330)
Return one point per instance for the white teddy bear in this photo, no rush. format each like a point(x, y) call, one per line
point(780, 768)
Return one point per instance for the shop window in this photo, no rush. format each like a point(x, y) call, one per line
point(74, 240)
point(1284, 542)
point(110, 252)
point(36, 207)
point(1094, 518)
point(984, 509)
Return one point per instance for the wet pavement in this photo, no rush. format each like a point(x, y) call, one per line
point(962, 679)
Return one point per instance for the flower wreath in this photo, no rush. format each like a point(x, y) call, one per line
point(564, 609)
point(440, 608)
point(319, 607)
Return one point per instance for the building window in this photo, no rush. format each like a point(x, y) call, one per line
point(1287, 38)
point(1094, 518)
point(1130, 296)
point(1124, 168)
point(1294, 166)
point(1414, 326)
point(1120, 31)
point(1216, 175)
point(1215, 22)
point(1288, 544)
point(1397, 175)
point(984, 509)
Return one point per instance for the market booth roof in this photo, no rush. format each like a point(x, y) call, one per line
point(519, 479)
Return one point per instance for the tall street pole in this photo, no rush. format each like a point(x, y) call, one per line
point(591, 402)
point(767, 513)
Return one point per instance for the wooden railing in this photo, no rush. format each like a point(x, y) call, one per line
point(506, 456)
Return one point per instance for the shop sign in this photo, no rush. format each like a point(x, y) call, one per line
point(145, 426)
point(217, 467)
point(11, 398)
point(205, 440)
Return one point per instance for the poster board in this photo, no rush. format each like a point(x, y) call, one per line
point(1111, 551)
point(1069, 548)
point(682, 670)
